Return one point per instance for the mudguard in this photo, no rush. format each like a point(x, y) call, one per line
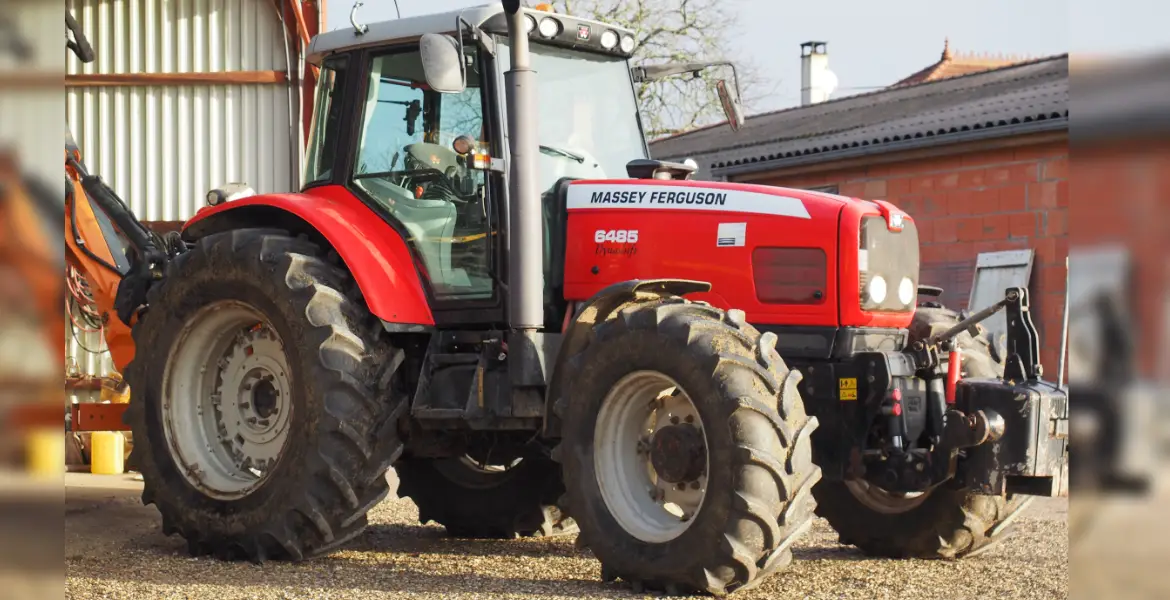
point(375, 253)
point(596, 310)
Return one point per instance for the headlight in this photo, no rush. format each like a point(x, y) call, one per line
point(906, 291)
point(877, 289)
point(609, 40)
point(628, 44)
point(550, 27)
point(529, 24)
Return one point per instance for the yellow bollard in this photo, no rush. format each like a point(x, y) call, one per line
point(45, 449)
point(107, 453)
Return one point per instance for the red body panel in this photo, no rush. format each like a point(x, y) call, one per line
point(682, 242)
point(374, 252)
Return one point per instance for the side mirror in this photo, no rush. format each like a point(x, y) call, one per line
point(731, 107)
point(442, 63)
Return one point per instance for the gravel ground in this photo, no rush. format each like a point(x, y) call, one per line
point(114, 549)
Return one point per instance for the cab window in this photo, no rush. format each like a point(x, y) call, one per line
point(406, 162)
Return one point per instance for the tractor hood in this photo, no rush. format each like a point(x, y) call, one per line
point(782, 255)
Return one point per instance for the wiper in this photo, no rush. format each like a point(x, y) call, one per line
point(564, 153)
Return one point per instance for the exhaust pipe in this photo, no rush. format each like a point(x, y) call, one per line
point(525, 233)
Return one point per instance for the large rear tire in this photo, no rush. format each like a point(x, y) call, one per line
point(486, 502)
point(262, 409)
point(942, 523)
point(668, 380)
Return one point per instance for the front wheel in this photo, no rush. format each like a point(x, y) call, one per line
point(941, 523)
point(687, 451)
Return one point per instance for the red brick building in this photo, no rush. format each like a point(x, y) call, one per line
point(980, 161)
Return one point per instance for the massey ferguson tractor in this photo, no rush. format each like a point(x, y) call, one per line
point(487, 284)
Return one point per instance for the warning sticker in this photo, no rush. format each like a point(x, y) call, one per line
point(848, 388)
point(731, 235)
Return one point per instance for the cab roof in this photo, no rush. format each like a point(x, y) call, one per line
point(488, 17)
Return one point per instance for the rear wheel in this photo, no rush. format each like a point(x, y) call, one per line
point(262, 414)
point(686, 450)
point(940, 523)
point(475, 499)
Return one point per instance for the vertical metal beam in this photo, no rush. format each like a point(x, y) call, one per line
point(525, 234)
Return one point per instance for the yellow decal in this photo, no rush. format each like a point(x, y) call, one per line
point(848, 388)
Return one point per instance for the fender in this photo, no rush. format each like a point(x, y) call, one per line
point(596, 310)
point(372, 250)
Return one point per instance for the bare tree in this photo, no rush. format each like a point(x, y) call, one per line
point(676, 31)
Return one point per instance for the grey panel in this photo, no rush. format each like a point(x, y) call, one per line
point(994, 273)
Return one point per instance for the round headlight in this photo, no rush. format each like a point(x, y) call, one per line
point(550, 27)
point(628, 44)
point(529, 24)
point(877, 289)
point(906, 291)
point(609, 40)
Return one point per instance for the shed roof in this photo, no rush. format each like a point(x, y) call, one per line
point(1031, 96)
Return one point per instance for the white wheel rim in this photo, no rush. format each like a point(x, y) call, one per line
point(647, 507)
point(881, 501)
point(227, 401)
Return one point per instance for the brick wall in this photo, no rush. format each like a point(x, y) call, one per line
point(979, 201)
point(1122, 196)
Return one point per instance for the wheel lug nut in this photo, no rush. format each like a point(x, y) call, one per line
point(680, 487)
point(674, 420)
point(690, 419)
point(694, 485)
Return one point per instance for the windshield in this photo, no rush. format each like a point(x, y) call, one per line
point(588, 119)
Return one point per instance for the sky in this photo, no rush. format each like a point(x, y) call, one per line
point(875, 43)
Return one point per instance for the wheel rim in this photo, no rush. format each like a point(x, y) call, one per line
point(227, 404)
point(646, 420)
point(881, 501)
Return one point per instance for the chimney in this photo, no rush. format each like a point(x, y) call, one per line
point(817, 82)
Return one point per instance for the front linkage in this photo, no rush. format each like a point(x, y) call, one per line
point(912, 431)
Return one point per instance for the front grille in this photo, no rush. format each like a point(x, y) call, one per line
point(891, 254)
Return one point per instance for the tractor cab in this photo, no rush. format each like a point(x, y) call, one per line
point(431, 160)
point(411, 117)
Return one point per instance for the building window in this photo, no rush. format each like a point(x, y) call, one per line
point(827, 189)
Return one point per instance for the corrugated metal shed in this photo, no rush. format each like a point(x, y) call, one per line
point(995, 103)
point(161, 147)
point(184, 95)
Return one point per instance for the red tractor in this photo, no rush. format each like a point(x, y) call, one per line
point(465, 291)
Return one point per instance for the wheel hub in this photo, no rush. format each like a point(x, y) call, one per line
point(678, 454)
point(264, 399)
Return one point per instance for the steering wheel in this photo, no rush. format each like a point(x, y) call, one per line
point(79, 44)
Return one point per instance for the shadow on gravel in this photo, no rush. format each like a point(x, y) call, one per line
point(435, 540)
point(380, 573)
point(831, 552)
point(386, 559)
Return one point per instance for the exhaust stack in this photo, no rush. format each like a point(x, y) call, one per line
point(525, 234)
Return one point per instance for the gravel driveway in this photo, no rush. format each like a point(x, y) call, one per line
point(114, 549)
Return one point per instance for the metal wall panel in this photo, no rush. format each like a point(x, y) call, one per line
point(162, 147)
